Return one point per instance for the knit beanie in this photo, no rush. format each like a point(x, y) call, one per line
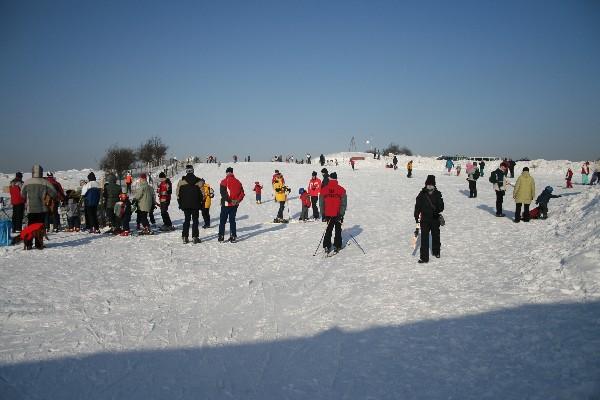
point(430, 180)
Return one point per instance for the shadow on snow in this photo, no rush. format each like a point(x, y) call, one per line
point(547, 351)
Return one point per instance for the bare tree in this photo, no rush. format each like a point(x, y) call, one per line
point(117, 160)
point(152, 151)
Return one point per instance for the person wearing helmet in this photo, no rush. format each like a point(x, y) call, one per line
point(305, 201)
point(543, 199)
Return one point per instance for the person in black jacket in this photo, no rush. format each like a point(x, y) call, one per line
point(190, 199)
point(428, 207)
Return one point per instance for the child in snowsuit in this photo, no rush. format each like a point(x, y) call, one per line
point(258, 189)
point(123, 214)
point(306, 204)
point(73, 214)
point(543, 200)
point(568, 178)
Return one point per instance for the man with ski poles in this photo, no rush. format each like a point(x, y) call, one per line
point(333, 202)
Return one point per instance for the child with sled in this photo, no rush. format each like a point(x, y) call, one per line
point(542, 202)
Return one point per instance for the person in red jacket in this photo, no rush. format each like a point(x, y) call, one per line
point(305, 200)
point(165, 190)
point(258, 189)
point(314, 188)
point(17, 201)
point(60, 200)
point(333, 202)
point(232, 193)
point(568, 178)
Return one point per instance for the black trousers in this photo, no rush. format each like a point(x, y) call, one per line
point(409, 175)
point(151, 216)
point(17, 217)
point(472, 188)
point(499, 200)
point(91, 217)
point(428, 227)
point(164, 213)
point(525, 212)
point(314, 200)
point(190, 215)
point(281, 208)
point(111, 217)
point(334, 222)
point(206, 216)
point(142, 217)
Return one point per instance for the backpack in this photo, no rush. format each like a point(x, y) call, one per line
point(492, 177)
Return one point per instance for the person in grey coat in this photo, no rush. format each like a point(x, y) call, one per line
point(144, 197)
point(34, 191)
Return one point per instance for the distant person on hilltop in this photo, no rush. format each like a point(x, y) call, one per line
point(449, 165)
point(481, 167)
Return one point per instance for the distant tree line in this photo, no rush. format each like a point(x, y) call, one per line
point(393, 148)
point(119, 159)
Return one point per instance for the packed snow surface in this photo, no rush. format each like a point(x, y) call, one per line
point(510, 311)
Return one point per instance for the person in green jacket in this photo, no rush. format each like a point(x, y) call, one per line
point(144, 197)
point(523, 195)
point(111, 197)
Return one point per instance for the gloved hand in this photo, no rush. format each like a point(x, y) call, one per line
point(235, 202)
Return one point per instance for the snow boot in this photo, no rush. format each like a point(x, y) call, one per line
point(423, 261)
point(232, 239)
point(221, 238)
point(196, 240)
point(185, 239)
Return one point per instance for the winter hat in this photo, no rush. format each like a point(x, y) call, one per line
point(525, 169)
point(333, 175)
point(430, 180)
point(162, 175)
point(314, 173)
point(549, 189)
point(143, 176)
point(229, 170)
point(189, 169)
point(19, 175)
point(276, 171)
point(324, 171)
point(37, 171)
point(301, 190)
point(91, 176)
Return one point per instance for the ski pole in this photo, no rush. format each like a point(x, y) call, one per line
point(359, 246)
point(320, 241)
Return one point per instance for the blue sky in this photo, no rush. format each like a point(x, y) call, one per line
point(512, 78)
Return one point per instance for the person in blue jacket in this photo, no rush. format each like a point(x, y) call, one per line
point(91, 198)
point(543, 199)
point(449, 165)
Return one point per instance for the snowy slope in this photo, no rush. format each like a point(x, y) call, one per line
point(510, 311)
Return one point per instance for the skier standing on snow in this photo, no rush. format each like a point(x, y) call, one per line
point(333, 202)
point(498, 178)
point(189, 198)
point(281, 192)
point(232, 193)
point(472, 176)
point(164, 191)
point(523, 194)
point(428, 206)
point(314, 188)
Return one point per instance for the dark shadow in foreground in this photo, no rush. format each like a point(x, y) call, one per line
point(546, 351)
